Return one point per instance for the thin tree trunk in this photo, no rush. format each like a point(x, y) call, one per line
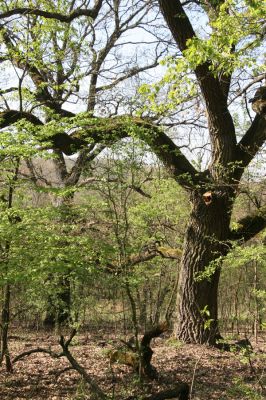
point(257, 308)
point(5, 326)
point(5, 318)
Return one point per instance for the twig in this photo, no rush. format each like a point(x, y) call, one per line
point(258, 78)
point(193, 377)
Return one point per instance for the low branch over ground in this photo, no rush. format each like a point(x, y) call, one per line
point(37, 350)
point(180, 391)
point(97, 391)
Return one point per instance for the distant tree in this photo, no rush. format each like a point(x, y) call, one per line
point(57, 48)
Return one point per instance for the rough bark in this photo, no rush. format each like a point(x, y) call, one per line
point(205, 242)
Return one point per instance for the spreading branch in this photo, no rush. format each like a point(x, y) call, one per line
point(154, 251)
point(108, 131)
point(148, 253)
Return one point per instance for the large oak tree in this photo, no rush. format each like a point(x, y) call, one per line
point(64, 52)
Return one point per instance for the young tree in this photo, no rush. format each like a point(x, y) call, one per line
point(207, 70)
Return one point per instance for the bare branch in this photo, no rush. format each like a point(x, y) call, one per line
point(132, 72)
point(258, 78)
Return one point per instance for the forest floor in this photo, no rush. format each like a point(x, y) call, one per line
point(213, 374)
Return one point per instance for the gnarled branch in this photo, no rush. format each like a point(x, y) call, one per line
point(108, 131)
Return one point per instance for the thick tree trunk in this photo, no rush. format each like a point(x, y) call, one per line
point(205, 242)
